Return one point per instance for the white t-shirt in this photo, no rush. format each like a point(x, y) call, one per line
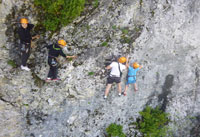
point(115, 68)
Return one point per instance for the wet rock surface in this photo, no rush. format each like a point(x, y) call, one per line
point(163, 36)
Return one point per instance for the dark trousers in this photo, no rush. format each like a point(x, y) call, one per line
point(111, 80)
point(53, 71)
point(25, 53)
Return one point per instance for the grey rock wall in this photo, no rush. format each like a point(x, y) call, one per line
point(160, 35)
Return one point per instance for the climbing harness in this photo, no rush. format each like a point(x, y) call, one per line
point(134, 76)
point(54, 62)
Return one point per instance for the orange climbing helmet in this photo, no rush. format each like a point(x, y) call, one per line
point(24, 20)
point(122, 60)
point(62, 42)
point(136, 65)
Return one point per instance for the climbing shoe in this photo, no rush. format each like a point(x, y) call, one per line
point(56, 79)
point(48, 79)
point(25, 68)
point(124, 93)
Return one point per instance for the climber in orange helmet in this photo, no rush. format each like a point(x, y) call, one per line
point(54, 51)
point(131, 76)
point(115, 75)
point(25, 41)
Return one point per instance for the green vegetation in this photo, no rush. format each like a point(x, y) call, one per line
point(91, 73)
point(141, 2)
point(96, 3)
point(57, 13)
point(26, 105)
point(152, 13)
point(104, 44)
point(87, 27)
point(70, 59)
point(153, 122)
point(12, 63)
point(138, 29)
point(125, 31)
point(125, 39)
point(114, 130)
point(114, 27)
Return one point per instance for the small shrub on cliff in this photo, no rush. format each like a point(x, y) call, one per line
point(125, 31)
point(153, 122)
point(90, 73)
point(114, 130)
point(12, 63)
point(57, 13)
point(96, 3)
point(104, 44)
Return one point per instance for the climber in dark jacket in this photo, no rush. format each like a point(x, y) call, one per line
point(25, 41)
point(54, 51)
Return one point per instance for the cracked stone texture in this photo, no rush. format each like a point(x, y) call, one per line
point(163, 36)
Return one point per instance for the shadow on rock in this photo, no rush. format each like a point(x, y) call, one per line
point(166, 90)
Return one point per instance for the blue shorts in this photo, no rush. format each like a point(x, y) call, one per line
point(130, 80)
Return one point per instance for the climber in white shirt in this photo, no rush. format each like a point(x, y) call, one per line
point(115, 75)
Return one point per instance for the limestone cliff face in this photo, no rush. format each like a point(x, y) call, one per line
point(163, 36)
